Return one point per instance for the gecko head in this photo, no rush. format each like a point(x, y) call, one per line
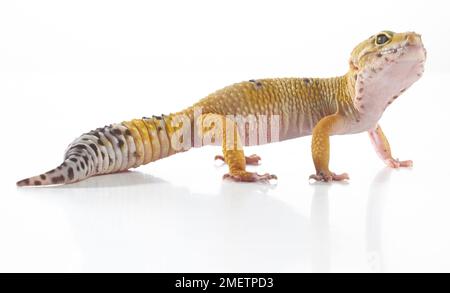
point(387, 48)
point(384, 66)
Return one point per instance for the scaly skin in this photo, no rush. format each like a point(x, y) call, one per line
point(381, 68)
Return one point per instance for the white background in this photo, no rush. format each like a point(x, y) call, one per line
point(70, 66)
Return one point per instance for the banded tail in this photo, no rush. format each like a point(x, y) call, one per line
point(111, 149)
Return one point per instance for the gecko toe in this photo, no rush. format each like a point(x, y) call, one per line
point(250, 160)
point(329, 177)
point(245, 176)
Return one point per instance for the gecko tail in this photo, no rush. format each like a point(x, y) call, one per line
point(111, 149)
point(65, 173)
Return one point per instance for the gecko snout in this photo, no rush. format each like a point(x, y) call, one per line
point(414, 38)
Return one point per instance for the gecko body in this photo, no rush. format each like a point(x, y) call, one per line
point(381, 69)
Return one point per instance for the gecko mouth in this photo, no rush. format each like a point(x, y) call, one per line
point(404, 49)
point(400, 49)
point(393, 50)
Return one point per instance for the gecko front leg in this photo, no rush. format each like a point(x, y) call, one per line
point(383, 149)
point(320, 148)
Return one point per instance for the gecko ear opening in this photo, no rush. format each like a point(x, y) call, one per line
point(353, 66)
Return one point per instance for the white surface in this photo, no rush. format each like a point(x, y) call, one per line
point(66, 68)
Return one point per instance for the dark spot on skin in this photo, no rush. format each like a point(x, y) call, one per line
point(116, 131)
point(258, 84)
point(94, 147)
point(403, 90)
point(395, 50)
point(361, 90)
point(159, 128)
point(373, 70)
point(70, 173)
point(58, 179)
point(362, 106)
point(95, 133)
point(76, 153)
point(379, 55)
point(74, 160)
point(100, 142)
point(390, 102)
point(51, 171)
point(78, 168)
point(359, 98)
point(356, 76)
point(127, 132)
point(394, 97)
point(37, 182)
point(64, 164)
point(43, 176)
point(135, 154)
point(59, 168)
point(386, 59)
point(357, 120)
point(306, 80)
point(81, 147)
point(120, 143)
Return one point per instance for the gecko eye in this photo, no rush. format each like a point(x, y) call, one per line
point(382, 39)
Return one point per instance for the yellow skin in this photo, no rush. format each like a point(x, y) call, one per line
point(381, 68)
point(328, 106)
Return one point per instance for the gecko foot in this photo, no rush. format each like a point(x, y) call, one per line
point(251, 160)
point(396, 163)
point(329, 176)
point(245, 176)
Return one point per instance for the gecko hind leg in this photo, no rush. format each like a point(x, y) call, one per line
point(233, 154)
point(249, 160)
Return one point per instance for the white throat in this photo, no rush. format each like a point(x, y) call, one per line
point(378, 85)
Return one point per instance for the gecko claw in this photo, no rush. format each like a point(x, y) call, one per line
point(220, 158)
point(328, 177)
point(249, 177)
